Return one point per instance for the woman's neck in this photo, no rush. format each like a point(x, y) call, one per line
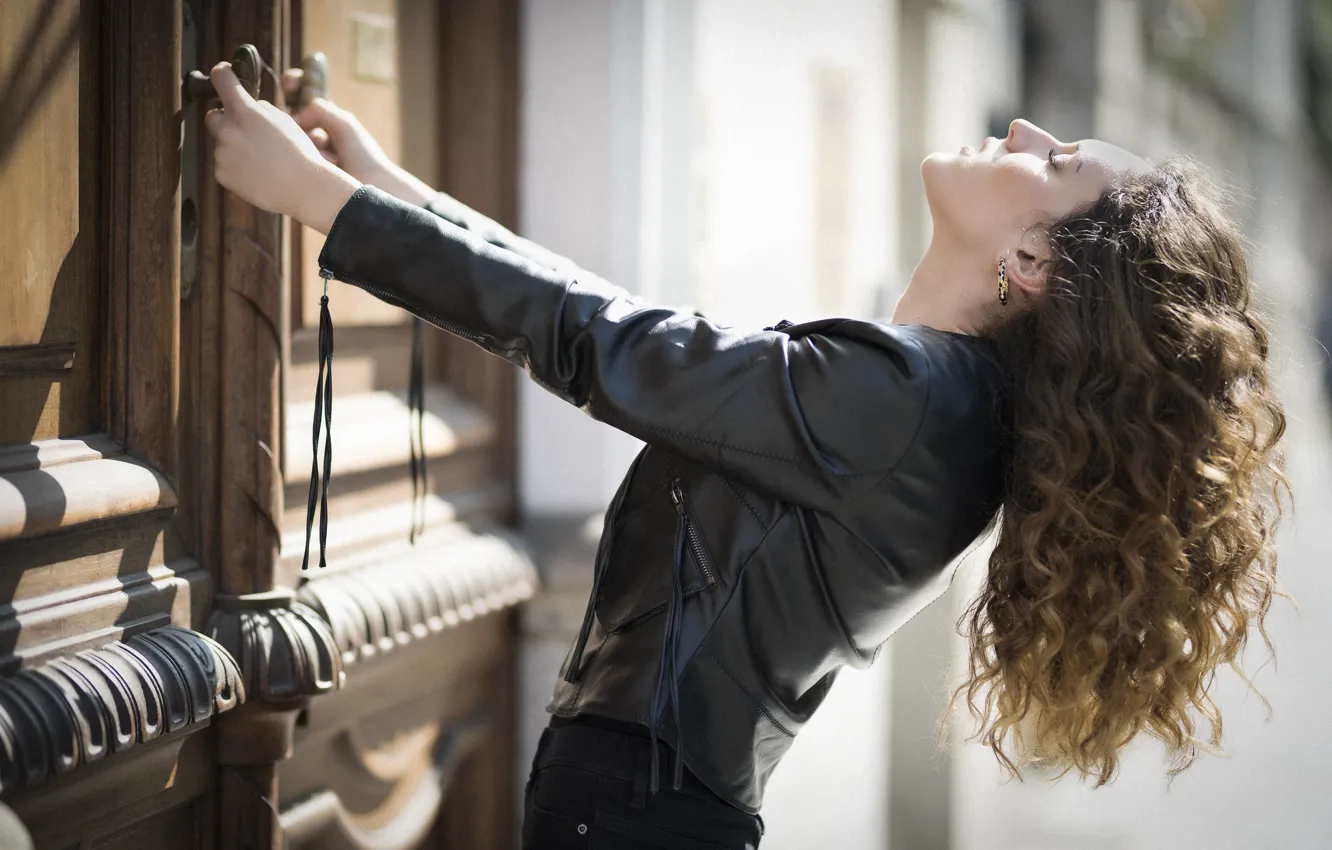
point(944, 292)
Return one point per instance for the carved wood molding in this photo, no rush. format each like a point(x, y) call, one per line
point(287, 656)
point(372, 429)
point(58, 484)
point(285, 651)
point(323, 814)
point(403, 594)
point(45, 358)
point(79, 709)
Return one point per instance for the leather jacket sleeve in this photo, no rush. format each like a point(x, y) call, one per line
point(816, 415)
point(458, 213)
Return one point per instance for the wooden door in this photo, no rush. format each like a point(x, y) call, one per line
point(109, 691)
point(168, 678)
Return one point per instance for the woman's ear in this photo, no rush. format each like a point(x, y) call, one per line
point(1027, 272)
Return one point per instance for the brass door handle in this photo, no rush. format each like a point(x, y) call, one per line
point(314, 80)
point(197, 86)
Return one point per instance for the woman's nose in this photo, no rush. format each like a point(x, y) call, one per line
point(1023, 134)
point(1019, 131)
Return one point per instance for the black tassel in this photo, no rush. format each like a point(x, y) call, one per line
point(323, 410)
point(416, 429)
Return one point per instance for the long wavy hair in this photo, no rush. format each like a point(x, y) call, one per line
point(1134, 546)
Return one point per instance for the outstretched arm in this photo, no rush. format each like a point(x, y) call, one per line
point(816, 415)
point(343, 141)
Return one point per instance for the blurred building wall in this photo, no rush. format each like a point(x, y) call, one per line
point(759, 160)
point(1219, 81)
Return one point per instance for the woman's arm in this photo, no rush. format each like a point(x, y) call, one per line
point(816, 415)
point(343, 141)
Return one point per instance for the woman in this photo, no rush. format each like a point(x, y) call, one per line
point(1076, 346)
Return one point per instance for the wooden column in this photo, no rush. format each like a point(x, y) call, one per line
point(286, 652)
point(251, 285)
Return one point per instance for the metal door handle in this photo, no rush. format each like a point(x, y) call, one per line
point(314, 80)
point(245, 62)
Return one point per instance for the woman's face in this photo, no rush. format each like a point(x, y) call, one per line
point(990, 197)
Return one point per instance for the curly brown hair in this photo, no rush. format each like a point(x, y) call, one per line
point(1135, 541)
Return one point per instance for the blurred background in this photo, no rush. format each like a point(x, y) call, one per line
point(759, 160)
point(756, 160)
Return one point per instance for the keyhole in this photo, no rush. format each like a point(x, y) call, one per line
point(189, 239)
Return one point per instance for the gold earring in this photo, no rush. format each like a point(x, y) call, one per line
point(1003, 282)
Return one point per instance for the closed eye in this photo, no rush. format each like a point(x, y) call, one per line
point(1057, 164)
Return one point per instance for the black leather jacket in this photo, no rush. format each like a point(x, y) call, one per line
point(802, 494)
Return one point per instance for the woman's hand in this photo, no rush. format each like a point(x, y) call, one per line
point(261, 155)
point(343, 141)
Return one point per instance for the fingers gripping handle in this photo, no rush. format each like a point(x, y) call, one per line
point(197, 85)
point(314, 80)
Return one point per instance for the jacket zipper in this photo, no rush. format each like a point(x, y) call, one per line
point(691, 533)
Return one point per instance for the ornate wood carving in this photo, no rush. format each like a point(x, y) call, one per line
point(58, 484)
point(89, 551)
point(76, 710)
point(420, 591)
point(425, 762)
point(377, 761)
point(286, 655)
point(158, 795)
point(284, 649)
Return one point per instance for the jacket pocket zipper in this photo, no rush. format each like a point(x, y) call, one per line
point(691, 534)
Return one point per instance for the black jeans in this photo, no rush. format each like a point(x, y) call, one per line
point(589, 789)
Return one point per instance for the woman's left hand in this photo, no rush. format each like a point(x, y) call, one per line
point(261, 155)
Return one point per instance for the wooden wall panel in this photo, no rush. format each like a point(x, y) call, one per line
point(48, 249)
point(479, 42)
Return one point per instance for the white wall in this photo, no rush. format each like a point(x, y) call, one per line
point(760, 63)
point(579, 195)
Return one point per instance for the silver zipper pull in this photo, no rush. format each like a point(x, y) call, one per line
point(677, 496)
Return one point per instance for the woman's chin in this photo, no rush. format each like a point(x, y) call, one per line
point(935, 167)
point(937, 162)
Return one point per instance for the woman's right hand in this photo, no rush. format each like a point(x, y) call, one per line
point(343, 140)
